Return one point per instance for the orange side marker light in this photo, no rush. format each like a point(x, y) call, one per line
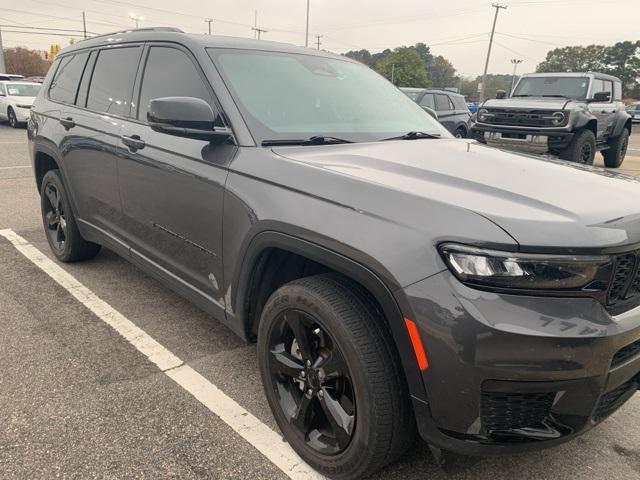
point(416, 341)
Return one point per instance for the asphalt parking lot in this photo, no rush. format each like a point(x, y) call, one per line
point(77, 400)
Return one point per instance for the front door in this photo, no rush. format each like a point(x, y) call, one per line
point(172, 187)
point(603, 111)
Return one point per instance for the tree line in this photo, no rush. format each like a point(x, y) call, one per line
point(415, 66)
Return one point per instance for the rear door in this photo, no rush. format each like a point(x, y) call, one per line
point(445, 111)
point(172, 188)
point(92, 119)
point(603, 111)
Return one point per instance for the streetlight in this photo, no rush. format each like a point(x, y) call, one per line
point(136, 18)
point(515, 62)
point(306, 34)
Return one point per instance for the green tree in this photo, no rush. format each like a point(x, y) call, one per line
point(575, 59)
point(425, 54)
point(442, 73)
point(363, 56)
point(623, 61)
point(405, 64)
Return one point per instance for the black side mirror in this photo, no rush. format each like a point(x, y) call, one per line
point(185, 117)
point(601, 97)
point(501, 94)
point(431, 112)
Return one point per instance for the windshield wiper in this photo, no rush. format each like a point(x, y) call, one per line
point(314, 140)
point(413, 136)
point(555, 96)
point(521, 95)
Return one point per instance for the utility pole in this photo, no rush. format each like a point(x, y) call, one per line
point(393, 73)
point(136, 18)
point(84, 25)
point(318, 37)
point(3, 68)
point(497, 6)
point(515, 62)
point(306, 34)
point(209, 21)
point(259, 31)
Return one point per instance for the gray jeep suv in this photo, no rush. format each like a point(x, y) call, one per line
point(572, 115)
point(396, 279)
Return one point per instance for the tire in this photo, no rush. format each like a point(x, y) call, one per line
point(582, 148)
point(59, 222)
point(614, 156)
point(11, 116)
point(344, 326)
point(460, 133)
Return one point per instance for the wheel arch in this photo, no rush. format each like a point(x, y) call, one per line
point(251, 279)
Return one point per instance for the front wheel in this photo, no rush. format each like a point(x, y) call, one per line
point(582, 148)
point(460, 133)
point(332, 377)
point(60, 224)
point(614, 156)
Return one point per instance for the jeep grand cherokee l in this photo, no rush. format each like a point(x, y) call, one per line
point(396, 279)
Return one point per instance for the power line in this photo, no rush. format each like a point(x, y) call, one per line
point(48, 29)
point(44, 33)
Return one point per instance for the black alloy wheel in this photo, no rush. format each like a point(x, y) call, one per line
point(55, 218)
point(314, 386)
point(586, 153)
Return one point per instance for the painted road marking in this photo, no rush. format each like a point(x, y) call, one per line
point(16, 166)
point(265, 440)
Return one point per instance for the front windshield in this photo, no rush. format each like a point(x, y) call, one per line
point(286, 96)
point(23, 89)
point(569, 87)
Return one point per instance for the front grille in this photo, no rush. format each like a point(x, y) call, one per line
point(625, 283)
point(611, 401)
point(536, 118)
point(508, 411)
point(626, 353)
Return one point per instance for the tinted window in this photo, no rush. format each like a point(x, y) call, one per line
point(443, 103)
point(459, 103)
point(112, 80)
point(81, 98)
point(412, 94)
point(428, 101)
point(65, 82)
point(181, 80)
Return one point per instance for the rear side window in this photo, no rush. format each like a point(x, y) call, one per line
point(112, 80)
point(182, 79)
point(617, 91)
point(443, 103)
point(459, 103)
point(64, 85)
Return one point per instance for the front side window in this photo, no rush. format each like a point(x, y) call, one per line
point(428, 101)
point(23, 89)
point(565, 87)
point(286, 96)
point(64, 85)
point(442, 103)
point(180, 80)
point(112, 80)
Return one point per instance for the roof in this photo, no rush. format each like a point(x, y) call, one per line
point(430, 90)
point(602, 76)
point(168, 34)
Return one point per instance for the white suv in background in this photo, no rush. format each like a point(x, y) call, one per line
point(16, 99)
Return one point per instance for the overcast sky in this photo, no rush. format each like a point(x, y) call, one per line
point(456, 29)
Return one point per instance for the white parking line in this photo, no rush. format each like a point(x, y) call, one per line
point(265, 440)
point(12, 143)
point(15, 166)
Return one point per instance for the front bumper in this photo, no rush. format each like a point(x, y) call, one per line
point(22, 114)
point(509, 373)
point(529, 140)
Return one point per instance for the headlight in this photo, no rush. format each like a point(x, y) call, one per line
point(24, 106)
point(558, 118)
point(507, 270)
point(484, 115)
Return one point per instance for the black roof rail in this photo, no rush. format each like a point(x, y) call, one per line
point(132, 30)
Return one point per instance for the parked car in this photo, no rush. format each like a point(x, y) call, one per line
point(10, 76)
point(449, 108)
point(395, 279)
point(16, 99)
point(34, 79)
point(634, 111)
point(572, 115)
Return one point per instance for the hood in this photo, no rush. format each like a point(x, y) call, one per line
point(530, 103)
point(542, 204)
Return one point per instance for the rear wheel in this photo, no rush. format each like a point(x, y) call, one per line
point(614, 156)
point(59, 223)
point(13, 120)
point(332, 378)
point(582, 148)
